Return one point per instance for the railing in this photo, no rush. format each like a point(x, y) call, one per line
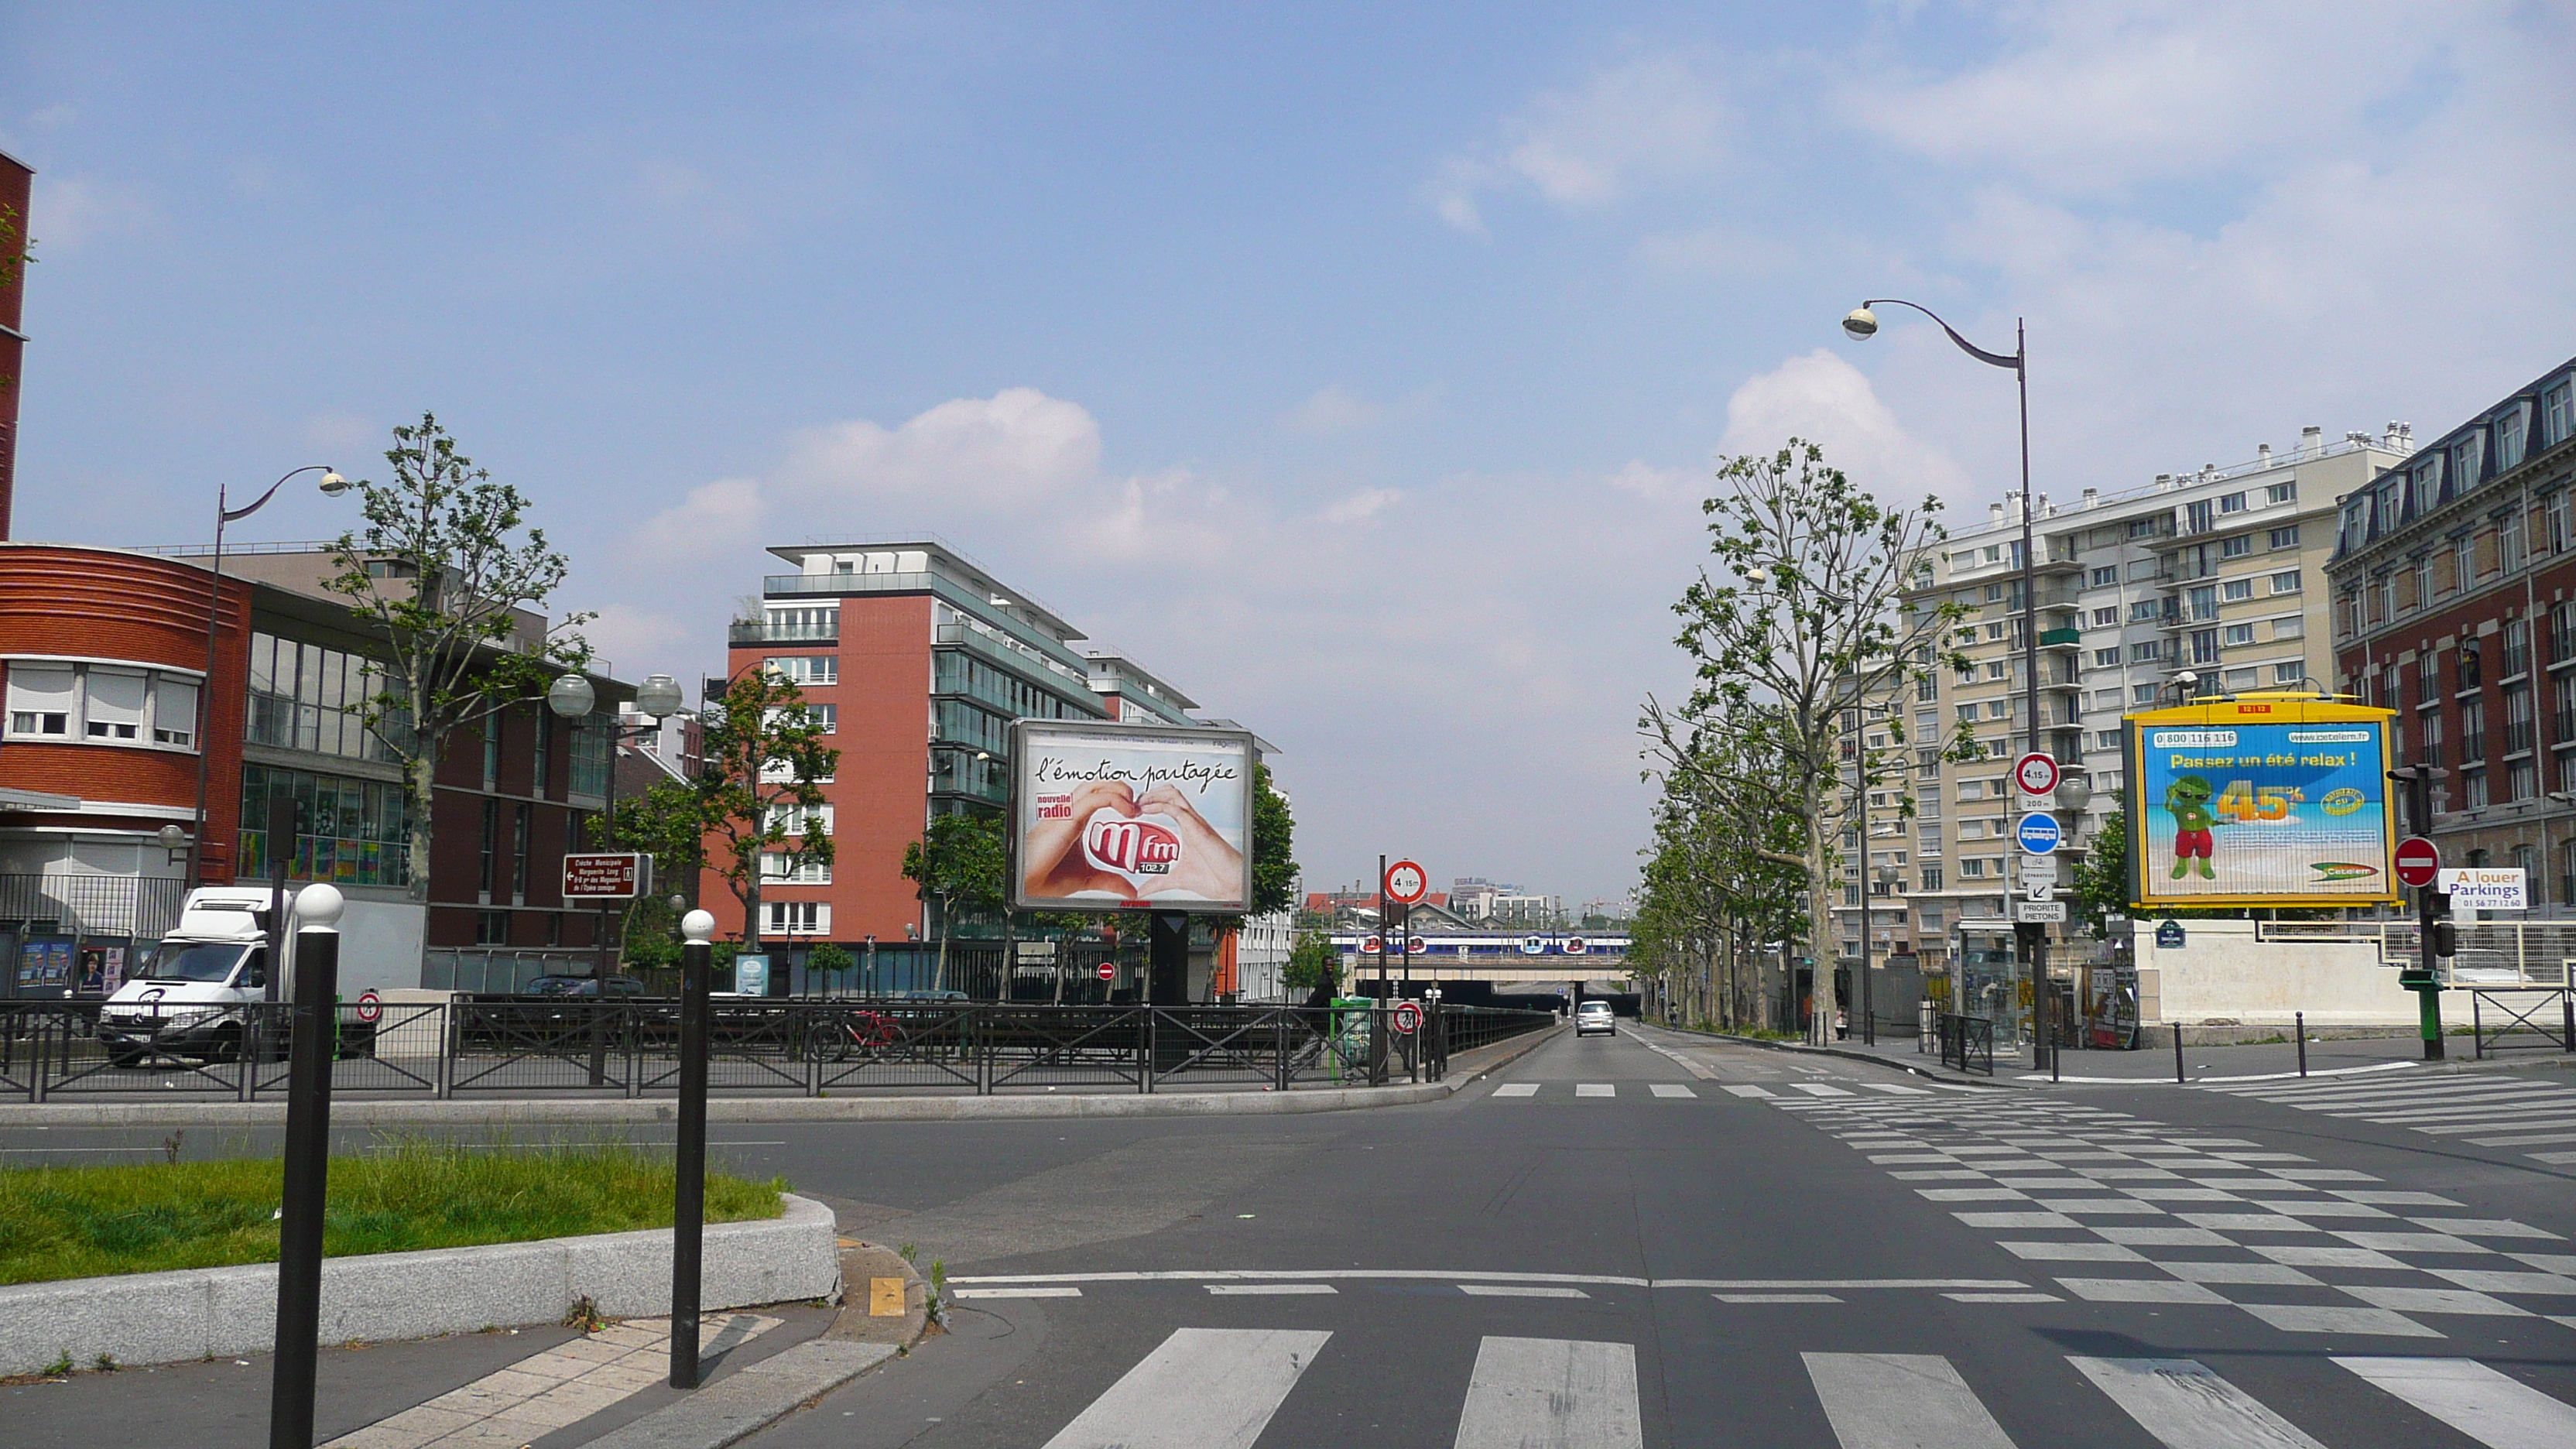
point(1968, 1044)
point(145, 909)
point(538, 1045)
point(760, 631)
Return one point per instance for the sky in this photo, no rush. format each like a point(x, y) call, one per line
point(1358, 368)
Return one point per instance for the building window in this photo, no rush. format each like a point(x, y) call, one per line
point(2144, 611)
point(2198, 517)
point(102, 704)
point(2474, 786)
point(2142, 528)
point(522, 834)
point(2231, 503)
point(2468, 461)
point(2284, 537)
point(2517, 720)
point(2237, 679)
point(2204, 646)
point(2144, 694)
point(2557, 414)
point(793, 868)
point(355, 832)
point(2106, 739)
point(1995, 670)
point(2289, 674)
point(1971, 869)
point(41, 699)
point(2292, 627)
point(541, 753)
point(590, 743)
point(801, 819)
point(2236, 590)
point(2237, 547)
point(2473, 733)
point(2509, 539)
point(2554, 508)
point(2517, 647)
point(1931, 877)
point(2239, 634)
point(491, 928)
point(2508, 437)
point(2281, 493)
point(307, 697)
point(828, 716)
point(491, 752)
point(174, 712)
point(798, 918)
point(2467, 666)
point(2106, 618)
point(487, 863)
point(805, 669)
point(2107, 658)
point(2104, 578)
point(1968, 712)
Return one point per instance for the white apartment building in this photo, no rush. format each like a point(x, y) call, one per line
point(2220, 571)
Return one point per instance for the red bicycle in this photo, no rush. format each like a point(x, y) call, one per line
point(866, 1035)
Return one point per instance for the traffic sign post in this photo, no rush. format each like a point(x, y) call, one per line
point(2035, 773)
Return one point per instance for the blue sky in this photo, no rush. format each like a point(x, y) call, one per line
point(1357, 367)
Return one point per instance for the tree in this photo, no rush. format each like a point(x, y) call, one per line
point(830, 959)
point(1314, 965)
point(664, 823)
point(960, 860)
point(759, 793)
point(449, 577)
point(1274, 834)
point(2102, 877)
point(1801, 627)
point(1716, 886)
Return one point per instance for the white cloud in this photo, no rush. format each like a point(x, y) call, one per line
point(71, 211)
point(1333, 410)
point(727, 513)
point(1720, 251)
point(1361, 506)
point(356, 439)
point(1827, 401)
point(1649, 118)
point(1648, 481)
point(1014, 448)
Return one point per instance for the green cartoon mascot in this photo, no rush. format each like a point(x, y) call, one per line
point(2188, 799)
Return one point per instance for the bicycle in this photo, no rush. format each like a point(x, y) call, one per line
point(867, 1035)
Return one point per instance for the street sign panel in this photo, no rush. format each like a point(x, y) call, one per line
point(2035, 773)
point(370, 1006)
point(2038, 833)
point(2039, 912)
point(2419, 861)
point(2039, 870)
point(1407, 883)
point(606, 875)
point(2039, 890)
point(2486, 888)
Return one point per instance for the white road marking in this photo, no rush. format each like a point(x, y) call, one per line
point(1595, 1089)
point(1894, 1090)
point(1744, 1089)
point(1260, 1290)
point(1420, 1275)
point(1518, 1290)
point(2187, 1407)
point(1775, 1298)
point(1036, 1292)
point(1204, 1388)
point(2497, 1411)
point(1676, 1089)
point(2003, 1297)
point(1551, 1393)
point(1819, 1089)
point(1517, 1089)
point(1901, 1401)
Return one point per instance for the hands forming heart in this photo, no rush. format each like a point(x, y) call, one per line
point(1114, 843)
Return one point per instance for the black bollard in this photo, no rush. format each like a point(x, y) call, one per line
point(2301, 1018)
point(689, 1193)
point(311, 1037)
point(2177, 1053)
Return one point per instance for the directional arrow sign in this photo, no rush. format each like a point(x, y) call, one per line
point(2039, 890)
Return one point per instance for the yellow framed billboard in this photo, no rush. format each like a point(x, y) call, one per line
point(2260, 800)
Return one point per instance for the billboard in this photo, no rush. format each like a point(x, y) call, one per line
point(1112, 816)
point(2260, 800)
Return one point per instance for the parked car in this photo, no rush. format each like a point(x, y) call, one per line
point(1595, 1016)
point(611, 986)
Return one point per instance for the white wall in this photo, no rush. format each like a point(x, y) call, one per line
point(380, 944)
point(2222, 973)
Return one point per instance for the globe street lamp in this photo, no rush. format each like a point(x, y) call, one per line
point(572, 698)
point(333, 485)
point(1860, 325)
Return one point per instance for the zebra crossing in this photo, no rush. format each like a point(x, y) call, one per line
point(1220, 1388)
point(2135, 1211)
point(2535, 1119)
point(1524, 1091)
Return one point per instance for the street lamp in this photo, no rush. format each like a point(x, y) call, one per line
point(333, 485)
point(1860, 325)
point(572, 698)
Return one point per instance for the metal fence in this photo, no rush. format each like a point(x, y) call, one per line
point(1968, 1044)
point(468, 1046)
point(91, 905)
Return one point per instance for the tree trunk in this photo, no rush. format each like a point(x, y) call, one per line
point(1821, 942)
point(418, 773)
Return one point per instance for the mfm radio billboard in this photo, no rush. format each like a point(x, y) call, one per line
point(1105, 816)
point(2260, 801)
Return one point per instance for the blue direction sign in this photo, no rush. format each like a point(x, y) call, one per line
point(2038, 833)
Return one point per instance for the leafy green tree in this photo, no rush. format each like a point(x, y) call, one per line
point(1313, 964)
point(1800, 625)
point(1274, 859)
point(829, 960)
point(2102, 877)
point(961, 861)
point(450, 576)
point(758, 795)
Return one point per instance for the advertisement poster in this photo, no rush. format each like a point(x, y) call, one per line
point(1108, 816)
point(2260, 802)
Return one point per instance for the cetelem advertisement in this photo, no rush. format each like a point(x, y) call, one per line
point(1108, 816)
point(2260, 800)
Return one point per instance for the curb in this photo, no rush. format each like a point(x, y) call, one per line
point(521, 1110)
point(194, 1313)
point(1929, 1073)
point(739, 1405)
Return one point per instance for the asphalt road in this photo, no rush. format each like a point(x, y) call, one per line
point(1652, 1239)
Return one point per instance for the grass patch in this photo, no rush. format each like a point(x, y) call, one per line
point(78, 1222)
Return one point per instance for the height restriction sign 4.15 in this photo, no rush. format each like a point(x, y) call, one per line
point(2260, 800)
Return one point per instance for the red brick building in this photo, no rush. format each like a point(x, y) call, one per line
point(2454, 581)
point(16, 180)
point(105, 654)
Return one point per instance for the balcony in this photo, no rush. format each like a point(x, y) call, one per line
point(740, 634)
point(2061, 638)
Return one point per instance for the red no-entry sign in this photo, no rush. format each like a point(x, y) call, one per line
point(1108, 972)
point(2419, 861)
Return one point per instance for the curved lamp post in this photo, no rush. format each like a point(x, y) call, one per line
point(333, 485)
point(1860, 325)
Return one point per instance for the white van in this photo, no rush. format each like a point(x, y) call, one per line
point(185, 997)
